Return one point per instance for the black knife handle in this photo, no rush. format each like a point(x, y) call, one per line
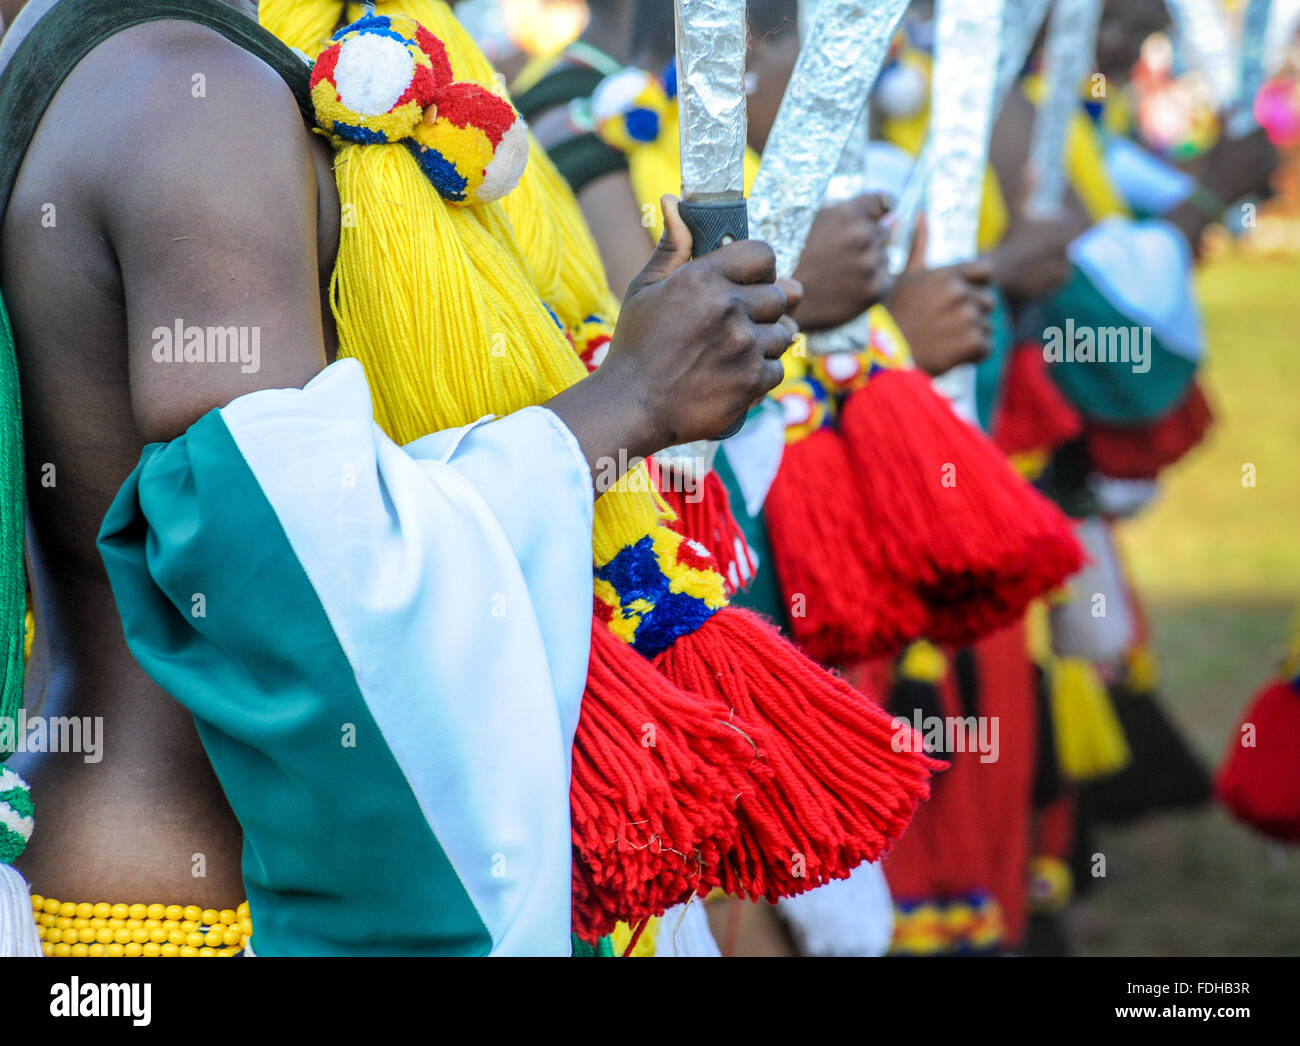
point(714, 224)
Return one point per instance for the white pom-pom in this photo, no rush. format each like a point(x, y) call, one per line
point(797, 410)
point(901, 91)
point(617, 93)
point(373, 72)
point(507, 165)
point(842, 366)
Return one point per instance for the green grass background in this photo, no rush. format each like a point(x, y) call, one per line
point(1218, 566)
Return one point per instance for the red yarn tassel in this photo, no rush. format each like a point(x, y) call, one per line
point(1260, 781)
point(705, 516)
point(1144, 451)
point(656, 775)
point(1033, 414)
point(975, 540)
point(841, 790)
point(845, 600)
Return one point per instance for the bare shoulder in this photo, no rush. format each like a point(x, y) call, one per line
point(197, 170)
point(168, 100)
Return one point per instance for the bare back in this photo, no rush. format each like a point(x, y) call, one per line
point(115, 228)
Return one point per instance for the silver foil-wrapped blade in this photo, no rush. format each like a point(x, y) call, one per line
point(1253, 67)
point(711, 46)
point(961, 120)
point(848, 181)
point(842, 55)
point(962, 106)
point(1020, 23)
point(1021, 20)
point(1202, 29)
point(1070, 51)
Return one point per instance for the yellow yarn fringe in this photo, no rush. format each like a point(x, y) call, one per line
point(441, 305)
point(1090, 742)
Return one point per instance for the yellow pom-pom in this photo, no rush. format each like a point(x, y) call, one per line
point(924, 662)
point(1050, 884)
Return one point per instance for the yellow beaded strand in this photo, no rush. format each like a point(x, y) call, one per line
point(140, 930)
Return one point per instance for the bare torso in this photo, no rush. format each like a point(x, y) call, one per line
point(130, 827)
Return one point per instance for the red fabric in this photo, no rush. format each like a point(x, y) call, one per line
point(325, 65)
point(420, 90)
point(1054, 828)
point(1008, 690)
point(437, 52)
point(1033, 414)
point(1143, 451)
point(974, 833)
point(944, 853)
point(972, 538)
point(845, 603)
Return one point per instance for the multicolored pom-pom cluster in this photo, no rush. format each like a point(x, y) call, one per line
point(815, 387)
point(628, 108)
point(388, 80)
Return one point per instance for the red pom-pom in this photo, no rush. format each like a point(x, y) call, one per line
point(1260, 781)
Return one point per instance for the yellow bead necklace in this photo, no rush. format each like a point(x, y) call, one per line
point(140, 930)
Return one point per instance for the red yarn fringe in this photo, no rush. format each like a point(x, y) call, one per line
point(845, 601)
point(1144, 451)
point(1033, 414)
point(1261, 785)
point(706, 517)
point(976, 541)
point(840, 792)
point(656, 775)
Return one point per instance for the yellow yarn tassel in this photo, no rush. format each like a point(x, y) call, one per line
point(1090, 742)
point(306, 26)
point(439, 303)
point(555, 238)
point(562, 256)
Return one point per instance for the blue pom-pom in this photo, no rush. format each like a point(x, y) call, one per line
point(642, 125)
point(669, 78)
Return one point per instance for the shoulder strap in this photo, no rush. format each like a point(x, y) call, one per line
point(557, 87)
point(73, 28)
